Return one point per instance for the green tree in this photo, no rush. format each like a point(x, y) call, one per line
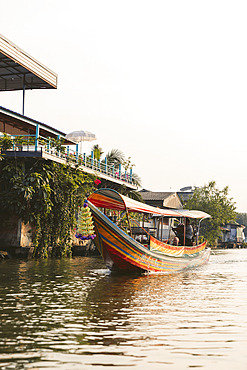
point(46, 195)
point(128, 164)
point(217, 203)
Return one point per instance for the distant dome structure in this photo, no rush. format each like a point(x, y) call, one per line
point(186, 188)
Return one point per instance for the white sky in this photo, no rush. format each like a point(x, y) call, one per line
point(163, 81)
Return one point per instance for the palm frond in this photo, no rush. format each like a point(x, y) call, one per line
point(115, 157)
point(136, 179)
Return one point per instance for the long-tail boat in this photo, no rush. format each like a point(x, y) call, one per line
point(121, 251)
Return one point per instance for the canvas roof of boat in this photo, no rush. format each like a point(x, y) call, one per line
point(111, 199)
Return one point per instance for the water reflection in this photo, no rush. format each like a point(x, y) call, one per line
point(74, 314)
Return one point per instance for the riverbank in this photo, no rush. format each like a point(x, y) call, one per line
point(85, 249)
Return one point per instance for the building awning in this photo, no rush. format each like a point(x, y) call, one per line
point(18, 69)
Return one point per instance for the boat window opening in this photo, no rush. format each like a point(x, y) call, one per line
point(143, 220)
point(170, 222)
point(127, 215)
point(161, 233)
point(158, 228)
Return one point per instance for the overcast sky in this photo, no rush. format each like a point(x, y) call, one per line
point(163, 81)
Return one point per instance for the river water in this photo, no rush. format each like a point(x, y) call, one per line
point(73, 314)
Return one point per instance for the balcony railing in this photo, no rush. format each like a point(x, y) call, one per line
point(32, 143)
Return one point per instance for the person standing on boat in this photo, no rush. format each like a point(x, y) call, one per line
point(188, 232)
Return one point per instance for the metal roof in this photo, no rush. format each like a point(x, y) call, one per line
point(18, 69)
point(16, 124)
point(185, 195)
point(163, 199)
point(156, 195)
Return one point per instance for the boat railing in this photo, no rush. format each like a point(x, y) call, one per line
point(135, 230)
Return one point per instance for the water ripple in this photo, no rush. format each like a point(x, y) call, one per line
point(73, 314)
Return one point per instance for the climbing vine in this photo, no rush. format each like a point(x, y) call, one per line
point(46, 195)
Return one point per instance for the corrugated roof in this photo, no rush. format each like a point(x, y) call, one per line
point(17, 68)
point(156, 195)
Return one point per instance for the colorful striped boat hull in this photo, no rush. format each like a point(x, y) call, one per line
point(121, 252)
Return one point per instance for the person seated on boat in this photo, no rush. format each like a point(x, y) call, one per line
point(175, 241)
point(179, 232)
point(141, 239)
point(188, 232)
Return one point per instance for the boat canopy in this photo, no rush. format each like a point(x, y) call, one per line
point(111, 199)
